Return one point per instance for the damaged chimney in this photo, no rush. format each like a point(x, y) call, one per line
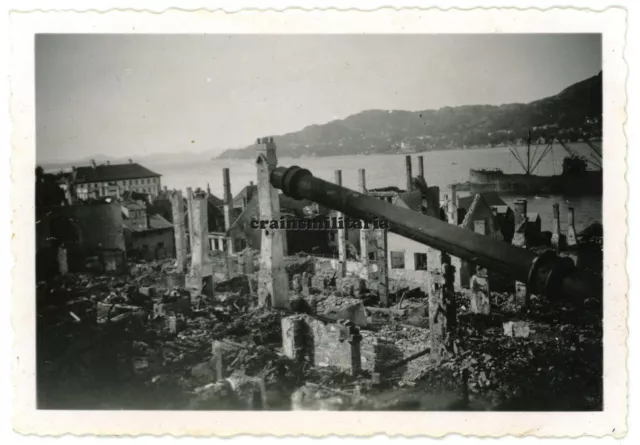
point(409, 181)
point(520, 220)
point(93, 163)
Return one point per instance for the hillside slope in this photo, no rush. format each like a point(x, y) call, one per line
point(572, 114)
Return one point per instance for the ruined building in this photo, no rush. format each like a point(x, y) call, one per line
point(147, 236)
point(80, 237)
point(408, 259)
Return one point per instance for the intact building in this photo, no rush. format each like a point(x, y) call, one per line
point(96, 181)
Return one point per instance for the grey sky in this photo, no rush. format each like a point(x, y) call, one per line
point(128, 95)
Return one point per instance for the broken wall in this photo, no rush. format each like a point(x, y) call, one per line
point(84, 229)
point(150, 245)
point(101, 225)
point(326, 344)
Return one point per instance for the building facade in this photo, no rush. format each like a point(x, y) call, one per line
point(408, 259)
point(96, 181)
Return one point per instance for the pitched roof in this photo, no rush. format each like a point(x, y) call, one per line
point(492, 199)
point(410, 200)
point(288, 205)
point(501, 208)
point(156, 222)
point(132, 205)
point(248, 192)
point(130, 195)
point(476, 207)
point(112, 172)
point(214, 200)
point(251, 209)
point(532, 216)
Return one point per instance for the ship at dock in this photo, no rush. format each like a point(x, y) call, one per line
point(580, 175)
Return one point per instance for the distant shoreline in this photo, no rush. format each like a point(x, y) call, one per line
point(396, 153)
point(56, 166)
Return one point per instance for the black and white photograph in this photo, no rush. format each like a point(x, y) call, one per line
point(205, 210)
point(311, 223)
point(205, 236)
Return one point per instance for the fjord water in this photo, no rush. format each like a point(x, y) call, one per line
point(441, 168)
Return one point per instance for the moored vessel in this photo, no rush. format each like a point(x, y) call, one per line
point(576, 177)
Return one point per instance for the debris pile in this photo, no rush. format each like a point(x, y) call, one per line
point(144, 341)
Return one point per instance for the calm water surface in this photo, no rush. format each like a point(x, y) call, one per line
point(441, 168)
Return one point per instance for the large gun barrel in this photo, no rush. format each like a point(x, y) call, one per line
point(547, 274)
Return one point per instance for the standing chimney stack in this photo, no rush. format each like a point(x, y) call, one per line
point(572, 239)
point(421, 166)
point(519, 220)
point(342, 235)
point(452, 205)
point(364, 231)
point(409, 181)
point(520, 211)
point(273, 281)
point(226, 184)
point(555, 229)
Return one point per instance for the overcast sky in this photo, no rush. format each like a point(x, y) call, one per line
point(128, 95)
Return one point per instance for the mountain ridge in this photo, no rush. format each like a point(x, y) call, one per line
point(574, 113)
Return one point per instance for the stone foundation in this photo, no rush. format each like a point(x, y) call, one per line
point(323, 344)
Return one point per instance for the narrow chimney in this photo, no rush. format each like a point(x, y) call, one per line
point(421, 166)
point(273, 282)
point(364, 232)
point(93, 163)
point(452, 205)
point(409, 181)
point(555, 229)
point(208, 189)
point(108, 162)
point(362, 181)
point(228, 205)
point(520, 211)
point(572, 239)
point(130, 161)
point(226, 186)
point(342, 235)
point(520, 217)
